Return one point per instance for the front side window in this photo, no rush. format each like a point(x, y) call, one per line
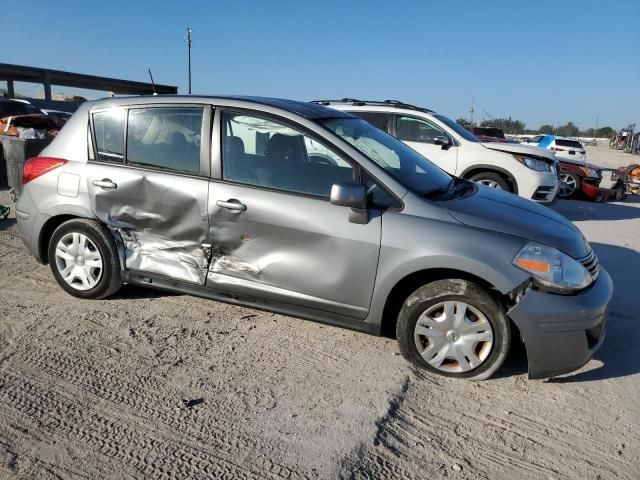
point(412, 129)
point(167, 138)
point(401, 162)
point(264, 152)
point(108, 128)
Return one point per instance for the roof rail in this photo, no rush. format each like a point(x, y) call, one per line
point(385, 103)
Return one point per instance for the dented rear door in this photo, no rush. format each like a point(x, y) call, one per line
point(151, 186)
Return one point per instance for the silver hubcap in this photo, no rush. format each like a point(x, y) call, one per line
point(453, 336)
point(489, 183)
point(567, 185)
point(79, 261)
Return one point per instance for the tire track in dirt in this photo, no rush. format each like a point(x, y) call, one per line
point(151, 451)
point(435, 425)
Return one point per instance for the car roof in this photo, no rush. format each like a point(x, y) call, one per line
point(308, 110)
point(373, 105)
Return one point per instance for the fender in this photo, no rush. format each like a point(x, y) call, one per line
point(494, 168)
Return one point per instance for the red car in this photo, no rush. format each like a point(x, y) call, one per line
point(579, 178)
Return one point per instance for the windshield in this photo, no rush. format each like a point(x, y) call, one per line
point(401, 162)
point(459, 129)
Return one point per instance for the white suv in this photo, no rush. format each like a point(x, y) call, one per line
point(525, 170)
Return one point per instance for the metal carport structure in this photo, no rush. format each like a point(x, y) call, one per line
point(47, 77)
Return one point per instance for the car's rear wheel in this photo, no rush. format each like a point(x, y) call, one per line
point(492, 180)
point(570, 184)
point(84, 259)
point(454, 328)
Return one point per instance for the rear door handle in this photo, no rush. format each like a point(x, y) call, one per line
point(105, 184)
point(232, 204)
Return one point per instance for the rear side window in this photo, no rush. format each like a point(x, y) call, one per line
point(568, 143)
point(379, 120)
point(165, 138)
point(108, 128)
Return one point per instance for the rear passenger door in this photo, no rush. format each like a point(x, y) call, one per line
point(147, 178)
point(275, 234)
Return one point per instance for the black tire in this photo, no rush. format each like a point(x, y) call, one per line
point(578, 182)
point(492, 177)
point(111, 278)
point(460, 290)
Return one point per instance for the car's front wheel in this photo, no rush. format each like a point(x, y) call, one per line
point(84, 259)
point(454, 328)
point(570, 184)
point(492, 180)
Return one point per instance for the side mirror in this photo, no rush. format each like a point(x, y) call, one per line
point(349, 194)
point(443, 141)
point(353, 195)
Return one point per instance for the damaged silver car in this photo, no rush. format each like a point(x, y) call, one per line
point(300, 209)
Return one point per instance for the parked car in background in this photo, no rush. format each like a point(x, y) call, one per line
point(58, 114)
point(458, 151)
point(489, 134)
point(300, 209)
point(564, 147)
point(579, 178)
point(19, 118)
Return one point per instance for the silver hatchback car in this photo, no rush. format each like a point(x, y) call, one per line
point(304, 210)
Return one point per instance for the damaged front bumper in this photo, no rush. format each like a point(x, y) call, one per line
point(562, 332)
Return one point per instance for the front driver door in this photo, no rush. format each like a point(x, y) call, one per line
point(419, 134)
point(148, 180)
point(275, 234)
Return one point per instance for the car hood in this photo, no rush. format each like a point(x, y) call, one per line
point(580, 163)
point(504, 212)
point(521, 149)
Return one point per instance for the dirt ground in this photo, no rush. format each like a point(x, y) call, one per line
point(153, 385)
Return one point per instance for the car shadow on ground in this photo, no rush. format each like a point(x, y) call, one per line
point(619, 351)
point(579, 210)
point(7, 223)
point(132, 292)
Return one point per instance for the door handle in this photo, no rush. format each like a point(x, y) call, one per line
point(232, 204)
point(105, 184)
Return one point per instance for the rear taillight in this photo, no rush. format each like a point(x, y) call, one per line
point(36, 166)
point(556, 149)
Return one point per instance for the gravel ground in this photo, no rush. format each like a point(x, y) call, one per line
point(148, 384)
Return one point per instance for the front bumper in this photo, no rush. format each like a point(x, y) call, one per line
point(541, 187)
point(562, 332)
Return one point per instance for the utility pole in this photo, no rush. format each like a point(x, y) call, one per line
point(472, 109)
point(188, 38)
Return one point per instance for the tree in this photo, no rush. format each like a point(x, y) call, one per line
point(462, 121)
point(604, 132)
point(507, 125)
point(76, 99)
point(568, 130)
point(546, 129)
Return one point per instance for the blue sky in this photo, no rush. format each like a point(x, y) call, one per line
point(541, 61)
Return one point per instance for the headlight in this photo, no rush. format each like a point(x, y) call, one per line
point(533, 164)
point(552, 269)
point(590, 172)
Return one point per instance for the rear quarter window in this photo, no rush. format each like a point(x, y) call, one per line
point(108, 130)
